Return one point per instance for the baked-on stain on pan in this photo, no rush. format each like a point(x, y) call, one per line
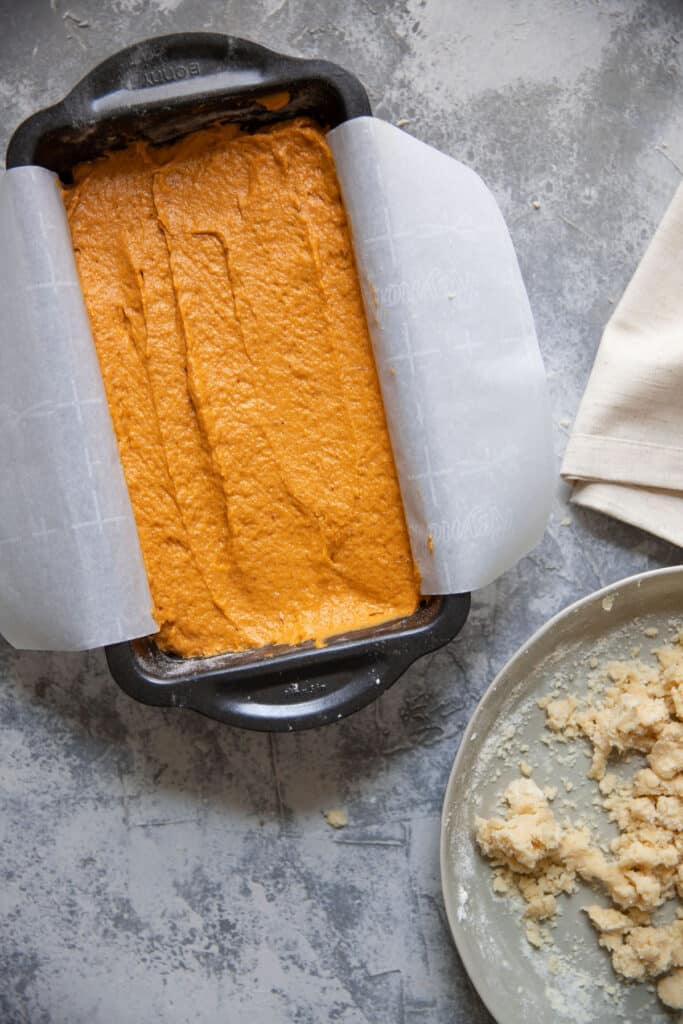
point(159, 90)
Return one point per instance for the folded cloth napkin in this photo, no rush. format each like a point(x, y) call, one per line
point(625, 453)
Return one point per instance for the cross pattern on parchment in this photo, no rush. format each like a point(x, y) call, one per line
point(44, 530)
point(387, 236)
point(54, 282)
point(411, 357)
point(77, 404)
point(430, 474)
point(409, 353)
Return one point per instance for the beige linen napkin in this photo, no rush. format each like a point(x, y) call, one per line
point(625, 453)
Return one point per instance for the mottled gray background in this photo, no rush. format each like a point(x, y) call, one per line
point(160, 867)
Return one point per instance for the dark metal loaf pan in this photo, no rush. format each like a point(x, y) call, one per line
point(158, 90)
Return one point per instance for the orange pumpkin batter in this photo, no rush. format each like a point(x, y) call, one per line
point(221, 288)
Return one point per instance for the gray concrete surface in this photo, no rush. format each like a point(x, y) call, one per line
point(159, 867)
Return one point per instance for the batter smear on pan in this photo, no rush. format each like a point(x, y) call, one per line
point(222, 293)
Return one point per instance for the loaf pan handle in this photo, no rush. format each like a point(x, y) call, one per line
point(307, 688)
point(287, 702)
point(161, 88)
point(169, 69)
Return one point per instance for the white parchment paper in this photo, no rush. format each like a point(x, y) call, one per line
point(71, 570)
point(456, 352)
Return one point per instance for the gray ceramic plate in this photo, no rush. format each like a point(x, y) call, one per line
point(572, 981)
